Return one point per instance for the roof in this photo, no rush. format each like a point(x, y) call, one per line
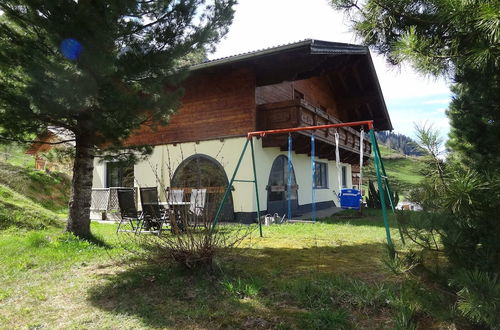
point(302, 59)
point(52, 135)
point(316, 47)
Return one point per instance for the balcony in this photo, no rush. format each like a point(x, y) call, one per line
point(298, 113)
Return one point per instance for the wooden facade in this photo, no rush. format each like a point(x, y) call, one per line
point(215, 105)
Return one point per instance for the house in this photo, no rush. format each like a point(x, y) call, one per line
point(53, 139)
point(310, 82)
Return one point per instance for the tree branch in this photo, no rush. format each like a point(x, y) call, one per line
point(35, 141)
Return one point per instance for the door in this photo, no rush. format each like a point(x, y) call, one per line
point(277, 188)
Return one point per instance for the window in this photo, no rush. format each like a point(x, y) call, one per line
point(119, 174)
point(344, 177)
point(320, 175)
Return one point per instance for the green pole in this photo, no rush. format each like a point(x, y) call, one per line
point(228, 189)
point(256, 187)
point(382, 167)
point(389, 192)
point(381, 190)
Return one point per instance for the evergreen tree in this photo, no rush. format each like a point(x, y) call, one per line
point(399, 142)
point(98, 68)
point(454, 38)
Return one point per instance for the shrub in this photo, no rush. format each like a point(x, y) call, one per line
point(373, 199)
point(192, 248)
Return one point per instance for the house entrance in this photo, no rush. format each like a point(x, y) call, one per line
point(277, 188)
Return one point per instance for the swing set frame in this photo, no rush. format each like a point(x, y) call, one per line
point(382, 180)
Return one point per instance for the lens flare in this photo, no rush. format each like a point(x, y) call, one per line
point(71, 49)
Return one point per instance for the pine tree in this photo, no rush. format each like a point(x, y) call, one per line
point(98, 68)
point(456, 39)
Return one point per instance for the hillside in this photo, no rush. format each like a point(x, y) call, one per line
point(28, 198)
point(21, 212)
point(403, 171)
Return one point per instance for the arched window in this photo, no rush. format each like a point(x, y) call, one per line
point(204, 172)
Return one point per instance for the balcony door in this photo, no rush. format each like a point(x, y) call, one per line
point(277, 188)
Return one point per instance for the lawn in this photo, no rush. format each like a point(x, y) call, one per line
point(328, 275)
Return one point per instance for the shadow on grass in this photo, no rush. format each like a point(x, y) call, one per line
point(367, 217)
point(163, 296)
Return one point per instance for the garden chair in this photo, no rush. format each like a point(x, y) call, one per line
point(175, 196)
point(153, 215)
point(176, 204)
point(128, 209)
point(197, 204)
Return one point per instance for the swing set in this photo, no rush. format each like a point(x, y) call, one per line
point(349, 198)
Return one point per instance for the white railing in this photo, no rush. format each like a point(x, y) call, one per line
point(106, 199)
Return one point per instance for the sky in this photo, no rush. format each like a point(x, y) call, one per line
point(410, 97)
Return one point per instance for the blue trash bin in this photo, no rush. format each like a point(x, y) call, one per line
point(350, 199)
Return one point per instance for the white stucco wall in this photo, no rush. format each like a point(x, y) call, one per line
point(161, 165)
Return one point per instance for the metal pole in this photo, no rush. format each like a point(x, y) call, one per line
point(289, 176)
point(313, 171)
point(256, 187)
point(368, 123)
point(229, 185)
point(381, 190)
point(389, 192)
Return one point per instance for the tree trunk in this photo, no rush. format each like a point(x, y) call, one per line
point(81, 190)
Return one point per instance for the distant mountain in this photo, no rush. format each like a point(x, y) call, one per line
point(399, 142)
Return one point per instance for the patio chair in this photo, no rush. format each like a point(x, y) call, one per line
point(153, 216)
point(128, 209)
point(175, 196)
point(175, 201)
point(197, 204)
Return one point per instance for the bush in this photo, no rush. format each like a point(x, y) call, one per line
point(192, 248)
point(373, 199)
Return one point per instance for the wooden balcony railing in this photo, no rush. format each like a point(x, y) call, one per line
point(298, 113)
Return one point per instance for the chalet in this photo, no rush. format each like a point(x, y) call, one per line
point(52, 138)
point(310, 82)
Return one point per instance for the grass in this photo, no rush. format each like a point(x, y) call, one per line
point(50, 190)
point(20, 212)
point(403, 171)
point(328, 275)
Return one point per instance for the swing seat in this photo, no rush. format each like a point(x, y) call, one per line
point(350, 199)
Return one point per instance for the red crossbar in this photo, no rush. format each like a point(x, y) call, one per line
point(368, 123)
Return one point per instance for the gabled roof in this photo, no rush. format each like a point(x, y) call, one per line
point(349, 66)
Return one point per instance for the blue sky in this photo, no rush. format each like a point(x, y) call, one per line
point(410, 97)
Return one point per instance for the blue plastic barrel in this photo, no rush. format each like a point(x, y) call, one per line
point(350, 199)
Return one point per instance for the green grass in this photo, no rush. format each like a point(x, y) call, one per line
point(328, 275)
point(404, 172)
point(20, 212)
point(51, 190)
